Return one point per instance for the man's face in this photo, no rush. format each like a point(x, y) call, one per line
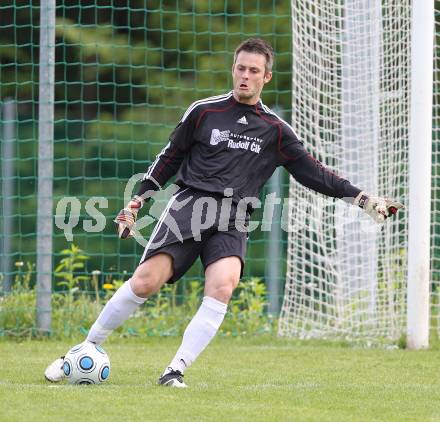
point(249, 76)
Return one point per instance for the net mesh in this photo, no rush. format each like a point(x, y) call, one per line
point(345, 275)
point(124, 74)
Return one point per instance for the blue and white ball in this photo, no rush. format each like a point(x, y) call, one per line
point(86, 363)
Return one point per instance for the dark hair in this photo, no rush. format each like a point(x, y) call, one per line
point(258, 46)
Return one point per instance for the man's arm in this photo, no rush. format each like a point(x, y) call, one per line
point(309, 171)
point(160, 171)
point(312, 174)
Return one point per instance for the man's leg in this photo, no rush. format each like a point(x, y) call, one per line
point(222, 278)
point(148, 278)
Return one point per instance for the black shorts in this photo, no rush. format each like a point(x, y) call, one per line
point(194, 224)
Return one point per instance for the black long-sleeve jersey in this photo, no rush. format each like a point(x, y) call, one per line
point(220, 143)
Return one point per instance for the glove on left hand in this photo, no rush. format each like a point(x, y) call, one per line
point(379, 209)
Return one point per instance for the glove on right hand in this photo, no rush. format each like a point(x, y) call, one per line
point(126, 218)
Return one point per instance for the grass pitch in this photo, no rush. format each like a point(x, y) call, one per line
point(233, 380)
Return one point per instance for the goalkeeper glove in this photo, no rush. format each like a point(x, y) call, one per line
point(126, 218)
point(379, 209)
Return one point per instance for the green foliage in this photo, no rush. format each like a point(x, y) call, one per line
point(17, 309)
point(247, 311)
point(75, 308)
point(72, 261)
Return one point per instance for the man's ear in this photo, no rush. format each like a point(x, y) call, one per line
point(267, 77)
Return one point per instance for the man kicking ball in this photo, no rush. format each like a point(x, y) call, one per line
point(222, 152)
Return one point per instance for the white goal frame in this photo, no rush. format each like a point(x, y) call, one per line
point(356, 254)
point(420, 141)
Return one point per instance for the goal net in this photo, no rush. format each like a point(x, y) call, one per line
point(346, 276)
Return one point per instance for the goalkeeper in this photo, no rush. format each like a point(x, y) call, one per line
point(223, 150)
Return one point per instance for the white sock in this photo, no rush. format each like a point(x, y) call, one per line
point(121, 305)
point(199, 333)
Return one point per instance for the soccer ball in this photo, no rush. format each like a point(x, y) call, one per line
point(86, 363)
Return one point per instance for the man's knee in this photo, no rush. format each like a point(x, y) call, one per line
point(221, 291)
point(221, 288)
point(151, 275)
point(222, 278)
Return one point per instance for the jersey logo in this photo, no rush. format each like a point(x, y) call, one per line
point(242, 120)
point(218, 136)
point(236, 140)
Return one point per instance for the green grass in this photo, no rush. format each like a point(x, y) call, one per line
point(256, 379)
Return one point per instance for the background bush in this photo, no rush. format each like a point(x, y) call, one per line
point(82, 296)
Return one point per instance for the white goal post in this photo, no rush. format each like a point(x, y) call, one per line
point(362, 103)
